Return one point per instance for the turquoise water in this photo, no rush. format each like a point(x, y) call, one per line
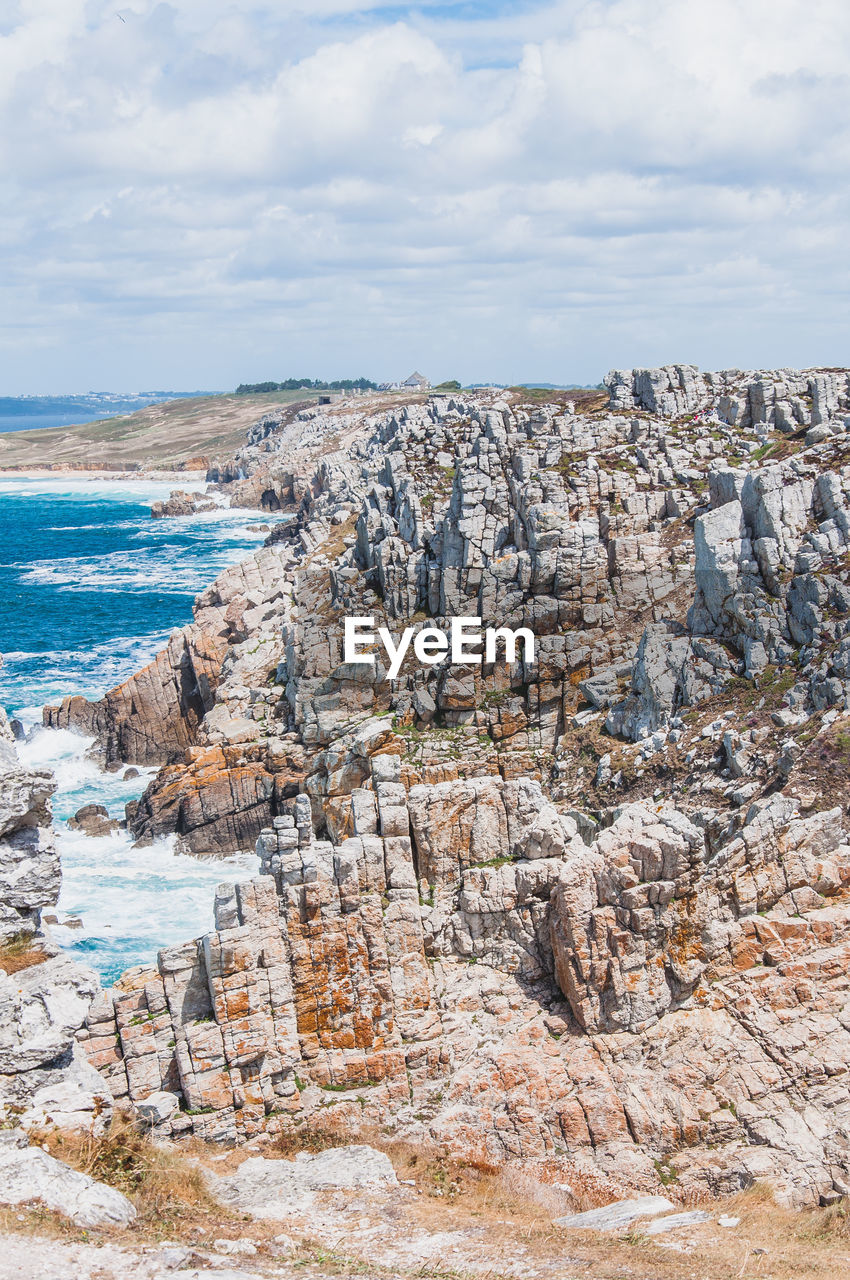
point(91, 588)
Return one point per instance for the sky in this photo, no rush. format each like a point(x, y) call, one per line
point(206, 192)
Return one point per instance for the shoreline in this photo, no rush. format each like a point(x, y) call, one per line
point(381, 931)
point(180, 876)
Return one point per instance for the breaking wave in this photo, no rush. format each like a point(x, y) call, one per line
point(93, 588)
point(123, 903)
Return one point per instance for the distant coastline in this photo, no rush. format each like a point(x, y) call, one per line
point(94, 403)
point(34, 413)
point(182, 433)
point(106, 471)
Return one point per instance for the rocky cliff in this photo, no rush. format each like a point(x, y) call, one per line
point(45, 1077)
point(592, 907)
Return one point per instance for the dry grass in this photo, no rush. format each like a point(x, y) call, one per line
point(334, 544)
point(482, 1191)
point(585, 399)
point(830, 1225)
point(515, 1208)
point(769, 1242)
point(22, 951)
point(35, 1220)
point(167, 1190)
point(503, 1214)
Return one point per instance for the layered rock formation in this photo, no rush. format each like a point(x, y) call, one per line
point(30, 874)
point(654, 996)
point(592, 907)
point(45, 1078)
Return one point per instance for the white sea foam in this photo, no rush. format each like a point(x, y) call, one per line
point(120, 571)
point(179, 555)
point(33, 680)
point(67, 486)
point(79, 778)
point(131, 901)
point(208, 527)
point(201, 524)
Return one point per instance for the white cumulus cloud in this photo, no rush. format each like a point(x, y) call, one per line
point(203, 192)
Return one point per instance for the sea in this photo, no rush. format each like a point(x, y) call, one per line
point(31, 422)
point(92, 586)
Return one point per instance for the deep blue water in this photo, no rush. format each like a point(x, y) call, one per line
point(91, 587)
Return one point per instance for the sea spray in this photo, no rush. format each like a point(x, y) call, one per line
point(124, 902)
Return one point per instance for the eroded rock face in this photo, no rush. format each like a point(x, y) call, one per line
point(220, 798)
point(626, 921)
point(29, 864)
point(45, 1078)
point(671, 671)
point(768, 567)
point(155, 715)
point(575, 905)
point(616, 999)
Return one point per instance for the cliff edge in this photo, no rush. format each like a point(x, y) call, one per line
point(591, 908)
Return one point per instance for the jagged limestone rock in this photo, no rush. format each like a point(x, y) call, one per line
point(434, 899)
point(45, 1078)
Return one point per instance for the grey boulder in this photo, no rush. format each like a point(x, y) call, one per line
point(158, 1107)
point(673, 1221)
point(29, 1173)
point(613, 1217)
point(274, 1188)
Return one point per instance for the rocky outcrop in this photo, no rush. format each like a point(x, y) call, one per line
point(569, 908)
point(218, 799)
point(468, 965)
point(93, 820)
point(181, 503)
point(44, 1076)
point(671, 670)
point(810, 400)
point(669, 392)
point(395, 524)
point(29, 864)
point(626, 922)
point(770, 557)
point(155, 715)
